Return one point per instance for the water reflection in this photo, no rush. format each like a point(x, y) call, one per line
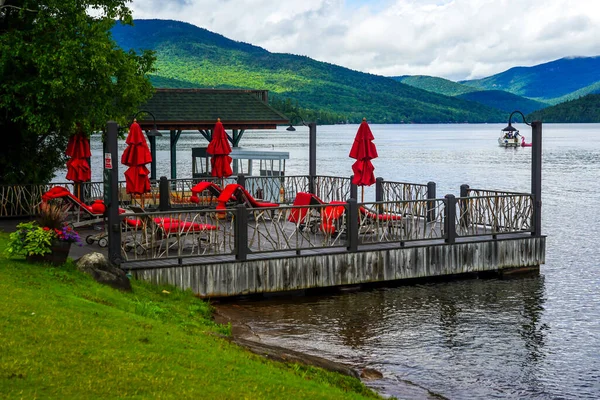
point(451, 338)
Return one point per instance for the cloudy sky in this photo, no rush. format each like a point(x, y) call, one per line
point(454, 39)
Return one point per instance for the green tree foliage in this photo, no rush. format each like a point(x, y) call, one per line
point(292, 110)
point(191, 54)
point(504, 100)
point(435, 84)
point(60, 72)
point(583, 110)
point(498, 99)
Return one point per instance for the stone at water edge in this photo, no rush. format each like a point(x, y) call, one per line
point(369, 374)
point(97, 266)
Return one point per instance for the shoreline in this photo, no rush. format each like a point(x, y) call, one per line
point(243, 335)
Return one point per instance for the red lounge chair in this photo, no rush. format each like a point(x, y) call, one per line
point(170, 226)
point(378, 217)
point(200, 187)
point(239, 194)
point(85, 214)
point(326, 217)
point(331, 215)
point(164, 227)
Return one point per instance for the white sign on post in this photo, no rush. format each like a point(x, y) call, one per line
point(107, 161)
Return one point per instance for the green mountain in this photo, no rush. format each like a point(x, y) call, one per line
point(594, 88)
point(585, 110)
point(188, 55)
point(492, 98)
point(435, 84)
point(547, 82)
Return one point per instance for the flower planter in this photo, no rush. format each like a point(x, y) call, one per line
point(57, 256)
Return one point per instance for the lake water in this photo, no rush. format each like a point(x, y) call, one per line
point(534, 338)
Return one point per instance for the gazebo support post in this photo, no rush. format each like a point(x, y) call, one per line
point(111, 193)
point(152, 140)
point(174, 139)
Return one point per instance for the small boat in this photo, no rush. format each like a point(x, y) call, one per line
point(509, 138)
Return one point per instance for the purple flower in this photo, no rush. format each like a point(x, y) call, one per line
point(67, 234)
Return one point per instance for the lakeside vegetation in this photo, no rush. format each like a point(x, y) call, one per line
point(66, 336)
point(583, 110)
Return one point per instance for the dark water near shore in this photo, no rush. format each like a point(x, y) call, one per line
point(535, 338)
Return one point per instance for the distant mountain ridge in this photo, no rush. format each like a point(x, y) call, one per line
point(547, 82)
point(188, 55)
point(499, 99)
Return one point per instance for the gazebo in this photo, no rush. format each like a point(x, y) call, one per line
point(178, 110)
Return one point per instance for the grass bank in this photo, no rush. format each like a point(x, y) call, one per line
point(62, 335)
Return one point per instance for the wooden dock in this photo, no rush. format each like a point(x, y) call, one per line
point(223, 276)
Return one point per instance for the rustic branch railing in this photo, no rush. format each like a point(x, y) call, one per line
point(383, 222)
point(331, 188)
point(494, 214)
point(291, 230)
point(395, 191)
point(159, 235)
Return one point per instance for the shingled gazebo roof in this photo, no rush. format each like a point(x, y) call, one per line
point(198, 109)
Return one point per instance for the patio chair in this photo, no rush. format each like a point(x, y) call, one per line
point(238, 194)
point(165, 228)
point(324, 218)
point(381, 224)
point(212, 189)
point(84, 214)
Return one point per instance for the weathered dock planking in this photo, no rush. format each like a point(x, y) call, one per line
point(322, 269)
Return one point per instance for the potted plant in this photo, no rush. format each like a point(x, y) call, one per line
point(48, 239)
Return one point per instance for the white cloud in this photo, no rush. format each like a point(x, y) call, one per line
point(456, 39)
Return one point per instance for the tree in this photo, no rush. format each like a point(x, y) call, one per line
point(60, 72)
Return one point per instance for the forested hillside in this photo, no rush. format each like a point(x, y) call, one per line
point(435, 84)
point(583, 110)
point(548, 82)
point(504, 101)
point(188, 56)
point(493, 98)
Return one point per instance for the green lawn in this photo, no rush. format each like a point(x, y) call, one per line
point(62, 335)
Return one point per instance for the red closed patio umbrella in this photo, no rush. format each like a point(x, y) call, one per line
point(136, 156)
point(220, 149)
point(78, 168)
point(363, 151)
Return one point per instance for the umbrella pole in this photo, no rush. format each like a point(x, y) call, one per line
point(362, 194)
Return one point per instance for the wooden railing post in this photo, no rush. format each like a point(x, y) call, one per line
point(164, 194)
point(241, 180)
point(353, 189)
point(450, 219)
point(379, 194)
point(464, 205)
point(241, 232)
point(536, 176)
point(352, 223)
point(431, 204)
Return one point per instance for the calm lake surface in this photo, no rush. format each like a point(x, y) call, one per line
point(533, 338)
